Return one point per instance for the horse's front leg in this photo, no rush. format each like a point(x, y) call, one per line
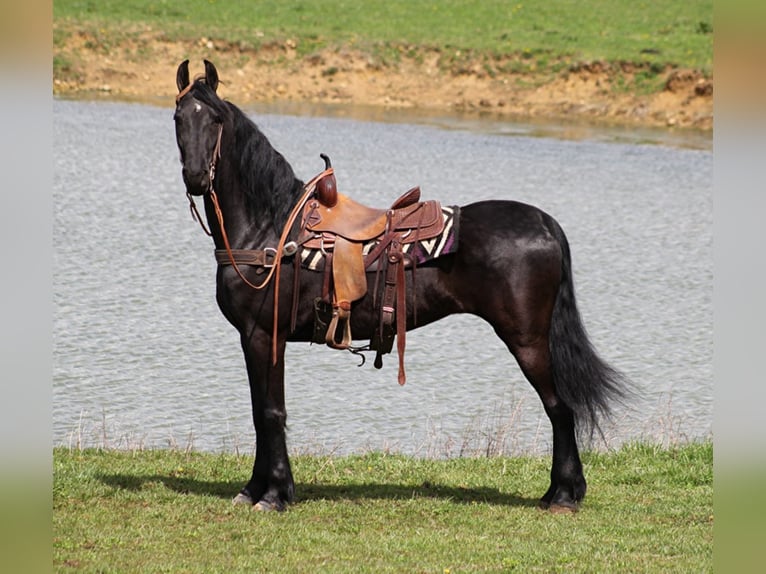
point(271, 486)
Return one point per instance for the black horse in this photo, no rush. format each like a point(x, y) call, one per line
point(512, 268)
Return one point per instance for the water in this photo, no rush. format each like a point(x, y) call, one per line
point(143, 358)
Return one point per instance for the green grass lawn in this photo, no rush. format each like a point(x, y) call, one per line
point(552, 32)
point(648, 509)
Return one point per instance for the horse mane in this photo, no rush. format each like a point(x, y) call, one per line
point(267, 179)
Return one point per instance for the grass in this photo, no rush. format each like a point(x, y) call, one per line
point(648, 509)
point(545, 34)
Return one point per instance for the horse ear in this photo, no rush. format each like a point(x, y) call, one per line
point(182, 75)
point(211, 75)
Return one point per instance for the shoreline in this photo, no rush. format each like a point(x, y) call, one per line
point(597, 93)
point(564, 128)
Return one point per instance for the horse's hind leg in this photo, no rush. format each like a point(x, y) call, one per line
point(567, 480)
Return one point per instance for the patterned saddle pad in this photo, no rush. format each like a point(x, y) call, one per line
point(419, 251)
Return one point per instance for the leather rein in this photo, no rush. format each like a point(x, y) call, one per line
point(279, 252)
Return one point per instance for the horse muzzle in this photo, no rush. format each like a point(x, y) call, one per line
point(197, 182)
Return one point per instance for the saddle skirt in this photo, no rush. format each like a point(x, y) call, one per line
point(418, 251)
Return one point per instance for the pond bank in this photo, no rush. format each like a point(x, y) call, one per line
point(142, 66)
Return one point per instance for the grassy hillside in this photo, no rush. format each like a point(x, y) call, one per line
point(677, 32)
point(646, 63)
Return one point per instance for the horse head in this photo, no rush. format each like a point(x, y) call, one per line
point(199, 118)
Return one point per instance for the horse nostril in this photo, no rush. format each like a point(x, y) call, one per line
point(196, 181)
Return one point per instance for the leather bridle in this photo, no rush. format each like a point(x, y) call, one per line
point(278, 253)
point(211, 175)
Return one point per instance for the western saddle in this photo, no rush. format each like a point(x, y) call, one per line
point(356, 239)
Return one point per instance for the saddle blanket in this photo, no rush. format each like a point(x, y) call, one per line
point(418, 251)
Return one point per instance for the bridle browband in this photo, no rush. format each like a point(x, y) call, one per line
point(187, 89)
point(279, 252)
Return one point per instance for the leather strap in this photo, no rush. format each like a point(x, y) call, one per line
point(394, 303)
point(185, 91)
point(257, 257)
point(296, 290)
point(401, 315)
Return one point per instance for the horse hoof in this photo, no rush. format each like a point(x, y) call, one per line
point(562, 509)
point(263, 506)
point(558, 508)
point(242, 498)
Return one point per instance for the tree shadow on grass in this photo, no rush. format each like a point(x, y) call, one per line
point(306, 492)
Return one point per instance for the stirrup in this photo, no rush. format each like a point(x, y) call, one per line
point(340, 317)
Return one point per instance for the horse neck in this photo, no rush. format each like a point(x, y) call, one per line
point(241, 227)
point(255, 186)
point(246, 227)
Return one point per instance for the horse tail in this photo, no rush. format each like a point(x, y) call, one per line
point(583, 380)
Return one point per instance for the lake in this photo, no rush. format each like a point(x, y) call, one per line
point(144, 359)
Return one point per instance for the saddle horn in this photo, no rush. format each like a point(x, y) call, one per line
point(327, 188)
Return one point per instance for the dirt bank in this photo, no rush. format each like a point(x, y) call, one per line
point(144, 67)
